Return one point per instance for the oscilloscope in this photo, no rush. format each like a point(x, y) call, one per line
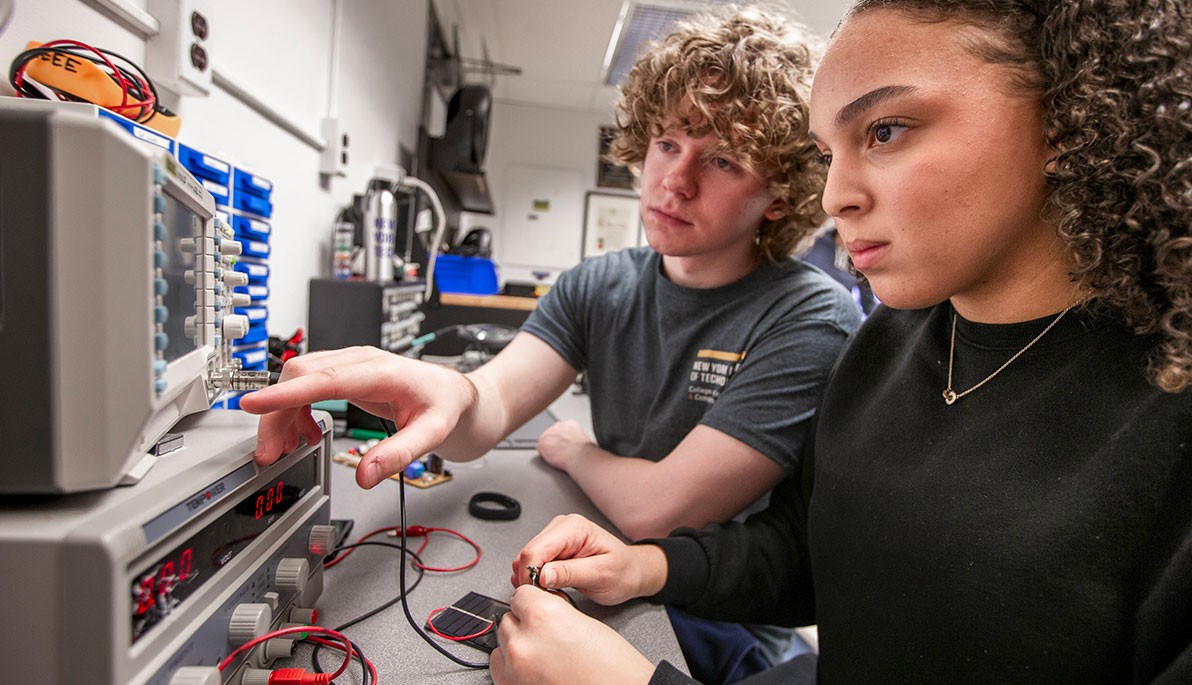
point(116, 302)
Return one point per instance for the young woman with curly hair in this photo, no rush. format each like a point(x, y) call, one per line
point(706, 353)
point(999, 486)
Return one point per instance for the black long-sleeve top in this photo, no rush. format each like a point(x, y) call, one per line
point(1038, 530)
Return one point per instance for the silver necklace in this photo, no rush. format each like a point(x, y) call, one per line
point(950, 395)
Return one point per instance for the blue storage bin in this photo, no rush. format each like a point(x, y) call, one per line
point(248, 182)
point(252, 204)
point(205, 167)
point(256, 315)
point(257, 273)
point(471, 275)
point(141, 133)
point(254, 248)
point(252, 358)
point(251, 229)
point(256, 333)
point(218, 191)
point(256, 291)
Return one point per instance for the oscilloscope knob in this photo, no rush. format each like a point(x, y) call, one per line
point(235, 278)
point(235, 326)
point(248, 621)
point(196, 675)
point(321, 540)
point(292, 574)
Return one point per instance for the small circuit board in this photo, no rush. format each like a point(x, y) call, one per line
point(418, 473)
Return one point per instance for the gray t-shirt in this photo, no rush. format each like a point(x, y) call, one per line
point(749, 359)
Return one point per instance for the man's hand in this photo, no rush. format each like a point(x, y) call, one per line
point(563, 443)
point(424, 401)
point(545, 640)
point(575, 553)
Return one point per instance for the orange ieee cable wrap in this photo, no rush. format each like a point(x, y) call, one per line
point(83, 79)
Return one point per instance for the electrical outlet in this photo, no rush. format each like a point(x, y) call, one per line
point(178, 57)
point(334, 161)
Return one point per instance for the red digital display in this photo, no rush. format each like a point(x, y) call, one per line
point(175, 576)
point(170, 573)
point(267, 501)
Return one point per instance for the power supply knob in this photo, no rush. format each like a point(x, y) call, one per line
point(278, 648)
point(235, 326)
point(256, 676)
point(196, 675)
point(292, 574)
point(322, 539)
point(248, 621)
point(231, 248)
point(190, 326)
point(304, 616)
point(241, 299)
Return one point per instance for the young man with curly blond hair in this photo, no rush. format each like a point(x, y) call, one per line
point(705, 352)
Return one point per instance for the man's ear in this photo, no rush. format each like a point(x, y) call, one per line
point(776, 210)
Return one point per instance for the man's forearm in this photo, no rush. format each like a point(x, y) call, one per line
point(480, 426)
point(625, 490)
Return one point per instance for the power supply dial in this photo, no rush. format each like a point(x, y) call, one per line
point(322, 538)
point(249, 621)
point(278, 648)
point(292, 574)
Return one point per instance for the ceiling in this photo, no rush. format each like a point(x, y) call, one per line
point(560, 45)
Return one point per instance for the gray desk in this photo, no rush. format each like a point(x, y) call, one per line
point(369, 577)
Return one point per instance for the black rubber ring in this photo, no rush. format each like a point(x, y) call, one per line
point(507, 508)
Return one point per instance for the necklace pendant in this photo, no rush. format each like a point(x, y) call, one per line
point(949, 396)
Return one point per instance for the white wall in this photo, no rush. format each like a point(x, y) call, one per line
point(281, 50)
point(531, 136)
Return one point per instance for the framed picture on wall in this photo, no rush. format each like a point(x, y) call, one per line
point(611, 222)
point(610, 174)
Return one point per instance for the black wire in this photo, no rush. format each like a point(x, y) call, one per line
point(134, 88)
point(395, 600)
point(358, 655)
point(390, 429)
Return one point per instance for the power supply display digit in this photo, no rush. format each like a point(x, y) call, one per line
point(271, 498)
point(172, 578)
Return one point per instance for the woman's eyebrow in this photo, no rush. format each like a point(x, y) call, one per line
point(857, 107)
